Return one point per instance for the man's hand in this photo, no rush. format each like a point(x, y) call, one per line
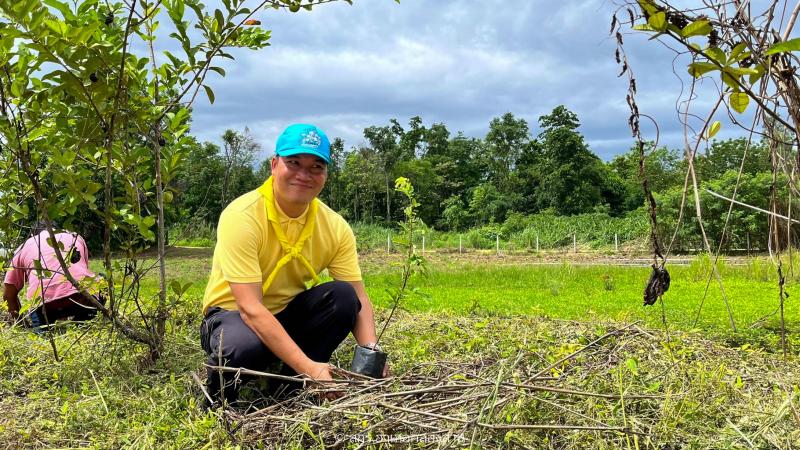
point(322, 372)
point(318, 371)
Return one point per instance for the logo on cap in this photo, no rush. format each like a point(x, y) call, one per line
point(310, 139)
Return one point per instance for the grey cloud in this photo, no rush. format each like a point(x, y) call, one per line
point(458, 62)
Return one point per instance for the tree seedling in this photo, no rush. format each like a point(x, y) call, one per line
point(370, 361)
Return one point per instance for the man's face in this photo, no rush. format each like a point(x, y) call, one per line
point(298, 178)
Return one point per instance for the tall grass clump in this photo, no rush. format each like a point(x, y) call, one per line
point(596, 230)
point(446, 240)
point(370, 236)
point(700, 267)
point(195, 233)
point(760, 269)
point(525, 239)
point(482, 238)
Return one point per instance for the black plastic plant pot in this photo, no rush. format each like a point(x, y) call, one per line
point(369, 362)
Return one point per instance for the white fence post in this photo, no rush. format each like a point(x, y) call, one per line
point(423, 244)
point(616, 243)
point(537, 242)
point(574, 243)
point(497, 245)
point(388, 243)
point(459, 243)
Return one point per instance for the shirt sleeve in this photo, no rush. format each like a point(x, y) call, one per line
point(344, 266)
point(237, 247)
point(16, 274)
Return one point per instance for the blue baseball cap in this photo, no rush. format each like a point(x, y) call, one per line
point(301, 139)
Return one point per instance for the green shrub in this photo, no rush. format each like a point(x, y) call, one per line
point(371, 236)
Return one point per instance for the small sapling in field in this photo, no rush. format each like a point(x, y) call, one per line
point(371, 360)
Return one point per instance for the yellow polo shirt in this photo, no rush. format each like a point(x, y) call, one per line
point(247, 251)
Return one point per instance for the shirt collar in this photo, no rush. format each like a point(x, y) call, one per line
point(284, 219)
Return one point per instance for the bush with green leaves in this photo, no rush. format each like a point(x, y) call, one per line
point(94, 121)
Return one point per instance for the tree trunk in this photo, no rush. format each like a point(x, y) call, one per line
point(161, 311)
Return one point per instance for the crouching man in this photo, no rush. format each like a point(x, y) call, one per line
point(271, 245)
point(35, 263)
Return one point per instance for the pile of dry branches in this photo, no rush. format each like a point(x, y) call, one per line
point(488, 402)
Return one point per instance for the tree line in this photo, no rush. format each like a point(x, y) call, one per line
point(512, 173)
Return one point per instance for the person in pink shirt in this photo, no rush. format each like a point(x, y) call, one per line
point(47, 286)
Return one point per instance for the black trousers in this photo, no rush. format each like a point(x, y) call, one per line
point(76, 306)
point(317, 319)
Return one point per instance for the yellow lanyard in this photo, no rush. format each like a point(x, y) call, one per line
point(291, 251)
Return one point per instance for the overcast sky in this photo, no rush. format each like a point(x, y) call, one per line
point(463, 62)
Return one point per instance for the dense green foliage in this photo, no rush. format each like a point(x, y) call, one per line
point(508, 184)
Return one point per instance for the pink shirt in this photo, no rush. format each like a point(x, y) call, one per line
point(56, 285)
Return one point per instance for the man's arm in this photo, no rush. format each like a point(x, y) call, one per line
point(264, 324)
point(364, 330)
point(10, 295)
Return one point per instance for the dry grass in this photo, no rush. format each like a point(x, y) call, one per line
point(538, 383)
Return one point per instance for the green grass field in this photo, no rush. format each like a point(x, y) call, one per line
point(101, 395)
point(602, 293)
point(462, 285)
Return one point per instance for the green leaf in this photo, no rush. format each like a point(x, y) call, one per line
point(219, 19)
point(698, 69)
point(62, 7)
point(16, 208)
point(36, 133)
point(209, 93)
point(737, 51)
point(739, 101)
point(792, 45)
point(17, 88)
point(179, 9)
point(716, 54)
point(697, 28)
point(759, 73)
point(713, 129)
point(57, 26)
point(648, 6)
point(738, 72)
point(658, 21)
point(86, 5)
point(643, 27)
point(219, 70)
point(178, 118)
point(730, 81)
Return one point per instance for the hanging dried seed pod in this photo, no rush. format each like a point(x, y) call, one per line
point(656, 285)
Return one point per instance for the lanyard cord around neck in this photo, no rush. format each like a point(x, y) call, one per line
point(290, 251)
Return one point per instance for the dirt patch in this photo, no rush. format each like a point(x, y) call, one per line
point(482, 257)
